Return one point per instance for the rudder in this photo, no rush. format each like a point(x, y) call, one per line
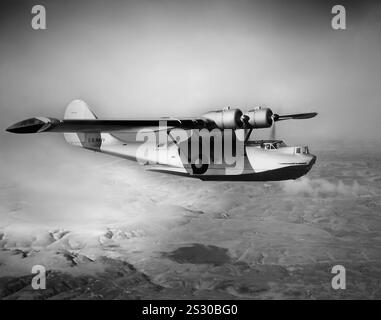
point(79, 109)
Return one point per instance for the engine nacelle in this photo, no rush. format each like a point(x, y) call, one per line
point(260, 118)
point(225, 119)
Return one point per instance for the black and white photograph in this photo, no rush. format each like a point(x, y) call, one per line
point(179, 150)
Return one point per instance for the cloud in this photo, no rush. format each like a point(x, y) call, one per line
point(59, 200)
point(322, 187)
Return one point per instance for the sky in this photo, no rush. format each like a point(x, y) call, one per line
point(183, 58)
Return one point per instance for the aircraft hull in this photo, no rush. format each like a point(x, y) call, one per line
point(280, 174)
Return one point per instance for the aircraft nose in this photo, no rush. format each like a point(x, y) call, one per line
point(312, 159)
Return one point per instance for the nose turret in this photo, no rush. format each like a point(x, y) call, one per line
point(304, 156)
point(304, 153)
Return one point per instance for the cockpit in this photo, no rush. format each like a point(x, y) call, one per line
point(279, 146)
point(273, 145)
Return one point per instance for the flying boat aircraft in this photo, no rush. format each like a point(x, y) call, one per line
point(257, 160)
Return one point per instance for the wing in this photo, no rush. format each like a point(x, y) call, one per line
point(42, 124)
point(80, 118)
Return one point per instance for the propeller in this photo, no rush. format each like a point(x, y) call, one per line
point(273, 129)
point(265, 118)
point(297, 116)
point(245, 121)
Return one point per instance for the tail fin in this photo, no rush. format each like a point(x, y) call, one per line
point(79, 109)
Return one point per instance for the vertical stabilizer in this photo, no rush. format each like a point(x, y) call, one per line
point(79, 109)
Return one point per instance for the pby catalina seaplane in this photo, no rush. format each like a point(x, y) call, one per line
point(264, 160)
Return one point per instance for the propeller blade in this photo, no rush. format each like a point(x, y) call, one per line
point(298, 116)
point(273, 132)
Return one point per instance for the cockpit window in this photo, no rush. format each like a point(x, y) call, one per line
point(298, 150)
point(273, 145)
point(269, 146)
